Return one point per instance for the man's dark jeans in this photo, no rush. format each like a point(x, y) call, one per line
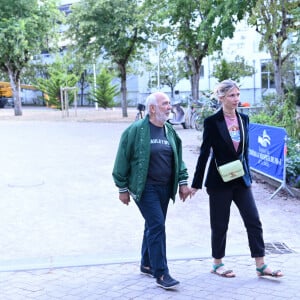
point(153, 207)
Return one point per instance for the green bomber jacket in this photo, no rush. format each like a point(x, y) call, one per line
point(133, 155)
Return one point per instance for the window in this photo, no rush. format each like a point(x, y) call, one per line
point(202, 71)
point(267, 74)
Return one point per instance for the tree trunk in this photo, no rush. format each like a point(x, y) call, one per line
point(195, 85)
point(194, 65)
point(172, 92)
point(278, 77)
point(15, 85)
point(82, 82)
point(122, 69)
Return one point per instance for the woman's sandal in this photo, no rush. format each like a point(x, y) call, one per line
point(261, 272)
point(222, 272)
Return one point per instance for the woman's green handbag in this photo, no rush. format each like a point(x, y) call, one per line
point(231, 170)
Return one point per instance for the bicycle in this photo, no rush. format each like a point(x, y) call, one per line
point(199, 111)
point(192, 115)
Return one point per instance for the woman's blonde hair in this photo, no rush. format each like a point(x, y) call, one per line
point(224, 87)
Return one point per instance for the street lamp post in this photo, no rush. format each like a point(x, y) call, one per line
point(95, 84)
point(158, 65)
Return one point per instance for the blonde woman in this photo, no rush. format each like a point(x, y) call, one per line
point(226, 134)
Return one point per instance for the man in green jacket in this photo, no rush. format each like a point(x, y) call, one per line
point(149, 168)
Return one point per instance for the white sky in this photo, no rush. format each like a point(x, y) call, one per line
point(62, 2)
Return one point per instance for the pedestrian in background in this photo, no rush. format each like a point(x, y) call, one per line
point(149, 168)
point(226, 139)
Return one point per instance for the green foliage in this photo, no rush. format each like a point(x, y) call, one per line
point(271, 113)
point(278, 24)
point(172, 70)
point(58, 77)
point(289, 115)
point(199, 27)
point(235, 70)
point(206, 109)
point(293, 162)
point(264, 118)
point(115, 28)
point(105, 91)
point(204, 112)
point(26, 28)
point(282, 113)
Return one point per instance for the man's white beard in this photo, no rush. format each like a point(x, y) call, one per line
point(160, 116)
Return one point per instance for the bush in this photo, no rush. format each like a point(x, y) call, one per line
point(105, 91)
point(281, 113)
point(293, 163)
point(263, 118)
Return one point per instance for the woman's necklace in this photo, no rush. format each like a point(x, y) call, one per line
point(230, 116)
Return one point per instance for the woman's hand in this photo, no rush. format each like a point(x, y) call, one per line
point(193, 191)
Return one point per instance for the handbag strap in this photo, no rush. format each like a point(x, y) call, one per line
point(243, 138)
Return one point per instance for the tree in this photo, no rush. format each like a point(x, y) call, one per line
point(81, 67)
point(105, 91)
point(114, 28)
point(26, 27)
point(83, 83)
point(234, 70)
point(278, 24)
point(171, 70)
point(199, 27)
point(59, 75)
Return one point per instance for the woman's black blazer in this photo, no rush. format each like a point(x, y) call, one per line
point(216, 138)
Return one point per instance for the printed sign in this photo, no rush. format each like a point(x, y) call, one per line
point(267, 150)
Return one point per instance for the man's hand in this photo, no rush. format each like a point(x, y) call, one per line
point(184, 192)
point(124, 197)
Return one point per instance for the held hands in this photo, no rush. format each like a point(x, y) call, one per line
point(185, 191)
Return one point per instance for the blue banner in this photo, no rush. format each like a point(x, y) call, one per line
point(267, 150)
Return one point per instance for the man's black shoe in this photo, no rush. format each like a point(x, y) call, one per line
point(167, 282)
point(147, 271)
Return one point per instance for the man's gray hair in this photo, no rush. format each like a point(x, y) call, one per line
point(150, 100)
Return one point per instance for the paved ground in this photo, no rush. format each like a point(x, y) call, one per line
point(65, 235)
